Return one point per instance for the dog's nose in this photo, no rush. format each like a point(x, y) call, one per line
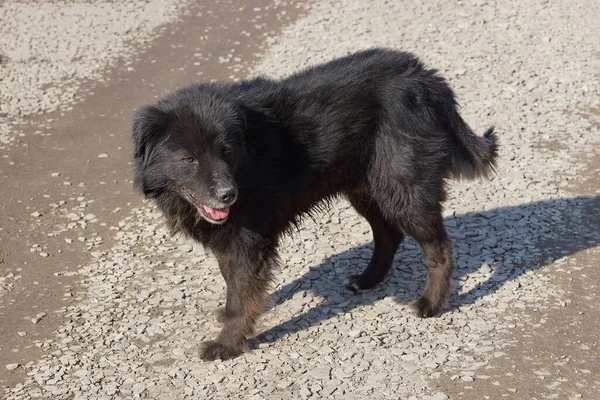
point(226, 194)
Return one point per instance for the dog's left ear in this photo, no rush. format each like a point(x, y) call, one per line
point(149, 123)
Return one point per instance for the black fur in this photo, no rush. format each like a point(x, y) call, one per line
point(235, 166)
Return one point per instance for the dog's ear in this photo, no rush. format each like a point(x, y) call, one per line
point(149, 123)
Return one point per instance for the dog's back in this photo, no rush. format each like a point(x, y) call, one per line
point(377, 111)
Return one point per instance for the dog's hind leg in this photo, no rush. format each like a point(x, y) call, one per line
point(386, 238)
point(437, 248)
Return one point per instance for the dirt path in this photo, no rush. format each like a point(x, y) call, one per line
point(57, 174)
point(97, 301)
point(554, 355)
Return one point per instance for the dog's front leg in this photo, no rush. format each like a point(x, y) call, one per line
point(247, 283)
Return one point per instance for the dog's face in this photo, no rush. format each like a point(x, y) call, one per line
point(190, 145)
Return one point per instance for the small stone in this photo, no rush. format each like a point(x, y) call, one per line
point(484, 349)
point(285, 384)
point(491, 242)
point(36, 214)
point(43, 254)
point(486, 214)
point(439, 396)
point(186, 247)
point(322, 373)
point(38, 317)
point(451, 223)
point(179, 352)
point(177, 294)
point(55, 174)
point(103, 155)
point(329, 389)
point(124, 345)
point(12, 367)
point(22, 333)
point(305, 392)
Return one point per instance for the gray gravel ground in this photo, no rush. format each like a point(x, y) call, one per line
point(529, 67)
point(47, 49)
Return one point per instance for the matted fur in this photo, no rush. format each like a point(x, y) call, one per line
point(377, 127)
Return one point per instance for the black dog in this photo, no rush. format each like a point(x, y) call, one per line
point(235, 166)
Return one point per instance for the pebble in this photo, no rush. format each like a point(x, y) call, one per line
point(285, 384)
point(38, 317)
point(439, 396)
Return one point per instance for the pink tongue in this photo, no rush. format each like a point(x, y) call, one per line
point(216, 214)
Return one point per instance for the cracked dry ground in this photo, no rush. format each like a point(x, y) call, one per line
point(97, 301)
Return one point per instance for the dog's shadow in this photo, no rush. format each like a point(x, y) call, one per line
point(491, 248)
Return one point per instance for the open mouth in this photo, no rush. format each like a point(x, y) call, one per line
point(215, 214)
point(212, 215)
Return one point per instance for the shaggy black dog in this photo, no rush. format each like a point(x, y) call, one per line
point(236, 165)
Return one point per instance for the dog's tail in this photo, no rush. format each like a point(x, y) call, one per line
point(473, 156)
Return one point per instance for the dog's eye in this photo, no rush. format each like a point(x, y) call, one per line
point(226, 151)
point(189, 160)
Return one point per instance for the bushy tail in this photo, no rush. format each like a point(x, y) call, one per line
point(473, 156)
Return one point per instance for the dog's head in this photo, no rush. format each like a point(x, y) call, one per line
point(190, 145)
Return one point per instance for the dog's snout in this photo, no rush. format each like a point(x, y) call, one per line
point(226, 194)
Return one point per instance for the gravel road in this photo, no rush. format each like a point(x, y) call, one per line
point(522, 323)
point(48, 49)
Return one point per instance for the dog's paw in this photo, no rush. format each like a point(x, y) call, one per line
point(355, 284)
point(213, 350)
point(220, 314)
point(424, 308)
